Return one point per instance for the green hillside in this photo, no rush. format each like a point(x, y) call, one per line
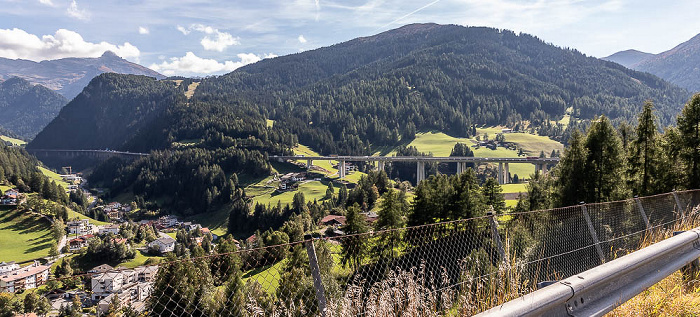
point(23, 237)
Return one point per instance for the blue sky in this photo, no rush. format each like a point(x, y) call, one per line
point(203, 37)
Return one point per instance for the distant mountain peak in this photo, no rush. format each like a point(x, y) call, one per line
point(68, 76)
point(109, 54)
point(629, 58)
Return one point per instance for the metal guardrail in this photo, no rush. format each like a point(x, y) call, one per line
point(599, 290)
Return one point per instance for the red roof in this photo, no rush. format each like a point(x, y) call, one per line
point(205, 230)
point(333, 218)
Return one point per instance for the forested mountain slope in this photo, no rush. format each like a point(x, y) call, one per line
point(25, 109)
point(111, 110)
point(678, 65)
point(372, 91)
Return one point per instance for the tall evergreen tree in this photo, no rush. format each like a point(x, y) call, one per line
point(605, 163)
point(354, 247)
point(571, 171)
point(689, 128)
point(643, 168)
point(493, 195)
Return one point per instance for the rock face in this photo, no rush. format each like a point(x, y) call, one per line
point(68, 76)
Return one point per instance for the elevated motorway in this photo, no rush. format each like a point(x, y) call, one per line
point(98, 154)
point(503, 162)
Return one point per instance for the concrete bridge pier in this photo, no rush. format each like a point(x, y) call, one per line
point(380, 165)
point(341, 169)
point(420, 172)
point(500, 173)
point(309, 163)
point(460, 169)
point(506, 177)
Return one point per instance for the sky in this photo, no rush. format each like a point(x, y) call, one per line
point(210, 37)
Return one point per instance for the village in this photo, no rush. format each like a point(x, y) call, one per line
point(108, 284)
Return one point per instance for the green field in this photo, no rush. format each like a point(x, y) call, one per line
point(311, 190)
point(514, 188)
point(268, 276)
point(12, 140)
point(73, 214)
point(23, 237)
point(54, 177)
point(440, 144)
point(139, 260)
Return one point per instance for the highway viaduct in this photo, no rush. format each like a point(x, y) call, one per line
point(503, 168)
point(98, 154)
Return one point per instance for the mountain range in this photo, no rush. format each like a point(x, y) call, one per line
point(372, 91)
point(68, 76)
point(679, 65)
point(27, 108)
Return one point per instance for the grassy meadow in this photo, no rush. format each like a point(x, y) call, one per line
point(12, 140)
point(23, 237)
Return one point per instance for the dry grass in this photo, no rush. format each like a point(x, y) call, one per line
point(670, 297)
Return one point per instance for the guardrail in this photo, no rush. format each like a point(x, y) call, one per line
point(599, 290)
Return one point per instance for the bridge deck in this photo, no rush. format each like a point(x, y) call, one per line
point(548, 160)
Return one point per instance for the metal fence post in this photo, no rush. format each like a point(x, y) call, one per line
point(641, 211)
point(316, 274)
point(594, 236)
point(495, 236)
point(678, 203)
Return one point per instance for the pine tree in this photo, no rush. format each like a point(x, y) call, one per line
point(689, 128)
point(571, 171)
point(604, 174)
point(644, 166)
point(493, 195)
point(354, 247)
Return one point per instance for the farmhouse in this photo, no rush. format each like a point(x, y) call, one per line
point(79, 242)
point(167, 221)
point(11, 197)
point(333, 220)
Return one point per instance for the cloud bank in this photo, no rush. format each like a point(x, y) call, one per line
point(191, 64)
point(17, 43)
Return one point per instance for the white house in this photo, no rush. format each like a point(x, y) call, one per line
point(81, 227)
point(167, 221)
point(113, 229)
point(163, 244)
point(111, 282)
point(8, 266)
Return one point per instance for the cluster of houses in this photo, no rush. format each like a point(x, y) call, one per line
point(129, 286)
point(84, 231)
point(115, 211)
point(12, 197)
point(14, 278)
point(290, 181)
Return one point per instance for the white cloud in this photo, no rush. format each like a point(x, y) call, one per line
point(47, 2)
point(17, 43)
point(80, 14)
point(183, 30)
point(191, 64)
point(214, 40)
point(301, 39)
point(143, 30)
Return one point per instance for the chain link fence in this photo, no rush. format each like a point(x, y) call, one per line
point(446, 269)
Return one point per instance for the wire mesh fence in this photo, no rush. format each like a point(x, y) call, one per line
point(451, 268)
